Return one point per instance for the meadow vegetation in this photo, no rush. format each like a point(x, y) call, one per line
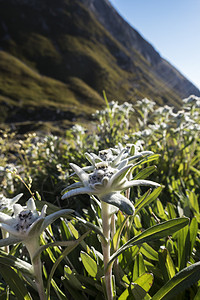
point(119, 207)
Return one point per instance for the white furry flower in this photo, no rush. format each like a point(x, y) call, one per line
point(106, 182)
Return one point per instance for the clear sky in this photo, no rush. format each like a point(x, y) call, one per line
point(171, 26)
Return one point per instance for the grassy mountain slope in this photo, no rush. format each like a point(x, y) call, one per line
point(56, 58)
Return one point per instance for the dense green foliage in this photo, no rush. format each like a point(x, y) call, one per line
point(155, 251)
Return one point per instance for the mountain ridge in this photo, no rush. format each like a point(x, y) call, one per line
point(76, 52)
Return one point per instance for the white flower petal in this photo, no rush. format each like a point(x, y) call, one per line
point(43, 212)
point(83, 190)
point(17, 209)
point(81, 173)
point(73, 186)
point(143, 182)
point(117, 177)
point(117, 160)
point(89, 158)
point(4, 218)
point(31, 205)
point(52, 217)
point(11, 229)
point(15, 199)
point(35, 229)
point(9, 241)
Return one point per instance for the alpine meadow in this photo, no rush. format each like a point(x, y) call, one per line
point(99, 159)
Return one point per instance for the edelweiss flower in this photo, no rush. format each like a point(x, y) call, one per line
point(6, 204)
point(106, 182)
point(116, 157)
point(27, 224)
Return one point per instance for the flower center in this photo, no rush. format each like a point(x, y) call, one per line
point(101, 171)
point(106, 155)
point(25, 219)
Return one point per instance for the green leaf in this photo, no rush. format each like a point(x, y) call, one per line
point(138, 267)
point(54, 244)
point(154, 233)
point(183, 242)
point(166, 264)
point(62, 256)
point(124, 295)
point(193, 233)
point(171, 211)
point(17, 263)
point(161, 211)
point(94, 227)
point(15, 283)
point(141, 286)
point(59, 293)
point(118, 233)
point(145, 173)
point(72, 278)
point(181, 281)
point(145, 281)
point(147, 199)
point(89, 264)
point(149, 252)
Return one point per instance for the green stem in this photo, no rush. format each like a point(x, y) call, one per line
point(32, 246)
point(106, 223)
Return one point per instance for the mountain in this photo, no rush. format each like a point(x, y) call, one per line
point(57, 57)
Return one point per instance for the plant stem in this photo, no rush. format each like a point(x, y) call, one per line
point(32, 247)
point(5, 234)
point(106, 222)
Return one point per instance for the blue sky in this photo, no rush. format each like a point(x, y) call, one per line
point(171, 26)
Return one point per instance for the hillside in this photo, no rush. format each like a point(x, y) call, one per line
point(57, 57)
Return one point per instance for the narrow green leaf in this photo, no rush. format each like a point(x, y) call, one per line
point(193, 229)
point(15, 283)
point(171, 211)
point(181, 281)
point(89, 264)
point(59, 293)
point(149, 252)
point(17, 263)
point(57, 243)
point(145, 281)
point(62, 256)
point(145, 173)
point(138, 267)
point(183, 240)
point(166, 264)
point(94, 227)
point(161, 211)
point(195, 170)
point(72, 278)
point(118, 233)
point(154, 233)
point(124, 295)
point(149, 197)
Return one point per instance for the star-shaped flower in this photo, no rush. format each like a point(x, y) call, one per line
point(27, 224)
point(116, 157)
point(106, 182)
